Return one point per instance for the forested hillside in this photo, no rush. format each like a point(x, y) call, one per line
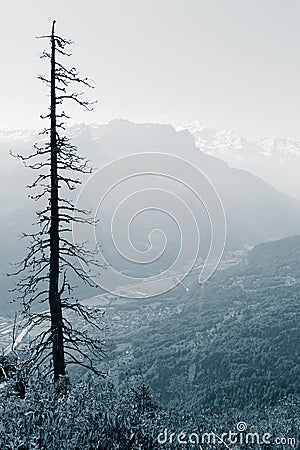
point(233, 342)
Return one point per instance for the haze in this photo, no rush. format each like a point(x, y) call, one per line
point(229, 64)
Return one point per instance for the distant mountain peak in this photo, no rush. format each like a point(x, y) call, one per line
point(21, 135)
point(275, 159)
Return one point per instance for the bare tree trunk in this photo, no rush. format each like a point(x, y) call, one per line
point(54, 296)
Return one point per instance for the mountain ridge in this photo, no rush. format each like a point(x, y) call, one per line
point(274, 159)
point(255, 211)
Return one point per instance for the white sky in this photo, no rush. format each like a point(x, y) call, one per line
point(227, 63)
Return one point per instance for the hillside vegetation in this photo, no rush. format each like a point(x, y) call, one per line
point(233, 342)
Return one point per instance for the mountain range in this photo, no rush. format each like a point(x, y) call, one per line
point(275, 160)
point(255, 210)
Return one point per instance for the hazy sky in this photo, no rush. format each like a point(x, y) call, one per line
point(227, 63)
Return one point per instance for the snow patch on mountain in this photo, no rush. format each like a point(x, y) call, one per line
point(17, 135)
point(276, 160)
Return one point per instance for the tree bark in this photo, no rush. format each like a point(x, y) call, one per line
point(54, 296)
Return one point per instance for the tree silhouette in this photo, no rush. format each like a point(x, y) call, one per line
point(52, 254)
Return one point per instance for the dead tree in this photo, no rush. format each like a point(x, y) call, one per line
point(52, 254)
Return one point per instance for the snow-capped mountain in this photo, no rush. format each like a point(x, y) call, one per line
point(276, 160)
point(17, 135)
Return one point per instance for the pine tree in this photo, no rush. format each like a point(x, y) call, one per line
point(52, 254)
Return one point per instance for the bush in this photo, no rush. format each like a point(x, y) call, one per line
point(95, 415)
